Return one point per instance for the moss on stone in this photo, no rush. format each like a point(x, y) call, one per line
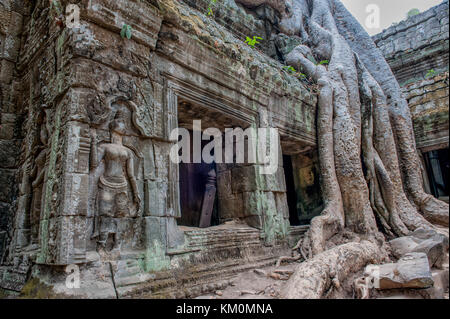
point(35, 289)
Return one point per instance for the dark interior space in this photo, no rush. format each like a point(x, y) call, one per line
point(438, 168)
point(291, 193)
point(198, 194)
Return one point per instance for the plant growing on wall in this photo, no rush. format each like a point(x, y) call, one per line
point(369, 167)
point(210, 7)
point(413, 12)
point(252, 41)
point(291, 70)
point(126, 31)
point(431, 73)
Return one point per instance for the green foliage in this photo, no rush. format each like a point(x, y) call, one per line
point(324, 62)
point(431, 73)
point(210, 10)
point(291, 70)
point(252, 42)
point(413, 12)
point(126, 31)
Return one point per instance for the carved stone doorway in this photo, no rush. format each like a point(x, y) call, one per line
point(198, 194)
point(438, 170)
point(291, 191)
point(205, 202)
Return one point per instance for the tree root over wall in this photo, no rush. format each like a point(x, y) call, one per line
point(317, 276)
point(369, 167)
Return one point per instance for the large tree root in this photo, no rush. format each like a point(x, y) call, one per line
point(314, 278)
point(369, 172)
point(361, 43)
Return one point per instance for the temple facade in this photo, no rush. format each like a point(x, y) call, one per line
point(87, 112)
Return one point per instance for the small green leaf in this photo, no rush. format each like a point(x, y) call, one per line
point(123, 31)
point(324, 62)
point(128, 32)
point(430, 73)
point(413, 12)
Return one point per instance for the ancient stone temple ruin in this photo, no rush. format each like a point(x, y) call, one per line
point(87, 184)
point(417, 51)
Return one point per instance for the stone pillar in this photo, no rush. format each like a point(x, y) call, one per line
point(10, 33)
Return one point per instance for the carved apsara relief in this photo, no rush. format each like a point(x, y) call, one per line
point(37, 175)
point(116, 168)
point(115, 183)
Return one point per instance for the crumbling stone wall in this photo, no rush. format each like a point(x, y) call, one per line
point(78, 93)
point(417, 51)
point(11, 16)
point(70, 95)
point(417, 45)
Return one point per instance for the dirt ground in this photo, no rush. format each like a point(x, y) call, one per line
point(255, 284)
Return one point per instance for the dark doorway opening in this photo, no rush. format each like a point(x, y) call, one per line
point(198, 194)
point(438, 169)
point(291, 190)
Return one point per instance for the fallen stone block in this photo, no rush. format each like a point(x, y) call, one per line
point(403, 245)
point(433, 244)
point(434, 250)
point(424, 234)
point(411, 271)
point(440, 278)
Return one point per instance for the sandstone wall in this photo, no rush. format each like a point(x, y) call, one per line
point(63, 92)
point(417, 45)
point(417, 51)
point(11, 14)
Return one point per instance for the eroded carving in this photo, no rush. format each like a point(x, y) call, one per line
point(114, 184)
point(37, 175)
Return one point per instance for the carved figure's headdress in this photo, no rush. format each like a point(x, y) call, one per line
point(118, 125)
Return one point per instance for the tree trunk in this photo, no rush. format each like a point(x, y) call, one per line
point(315, 277)
point(370, 176)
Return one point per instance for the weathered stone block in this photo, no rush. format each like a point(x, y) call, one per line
point(7, 71)
point(411, 271)
point(9, 152)
point(434, 250)
point(76, 195)
point(274, 182)
point(282, 206)
point(403, 245)
point(252, 202)
point(249, 179)
point(155, 229)
point(7, 182)
point(175, 237)
point(429, 242)
point(2, 242)
point(224, 188)
point(254, 221)
point(78, 148)
point(231, 207)
point(4, 215)
point(155, 198)
point(145, 25)
point(69, 245)
point(106, 47)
